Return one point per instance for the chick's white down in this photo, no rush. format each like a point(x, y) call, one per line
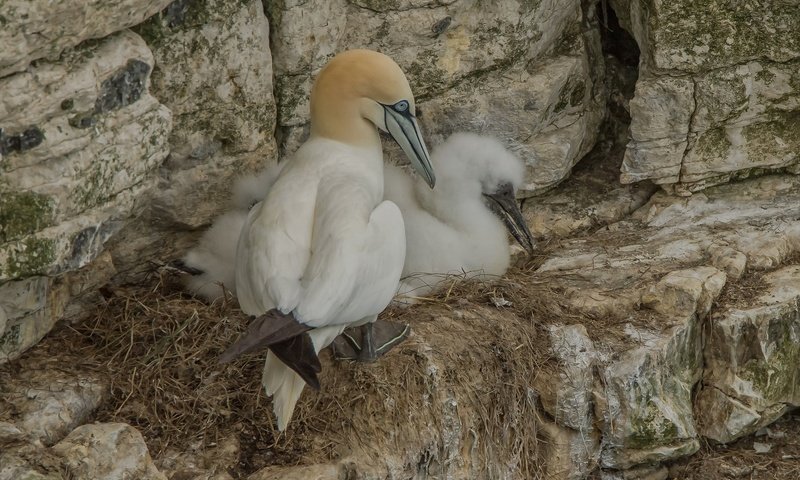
point(449, 230)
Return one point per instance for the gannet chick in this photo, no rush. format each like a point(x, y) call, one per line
point(211, 263)
point(461, 225)
point(324, 251)
point(477, 176)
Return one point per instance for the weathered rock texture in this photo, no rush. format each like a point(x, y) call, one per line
point(753, 358)
point(527, 73)
point(81, 140)
point(719, 96)
point(112, 451)
point(111, 152)
point(33, 30)
point(122, 124)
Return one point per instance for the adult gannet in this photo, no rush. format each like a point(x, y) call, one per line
point(324, 251)
point(457, 227)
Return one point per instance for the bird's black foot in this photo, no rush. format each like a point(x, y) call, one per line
point(368, 342)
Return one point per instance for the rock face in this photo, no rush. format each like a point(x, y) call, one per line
point(48, 405)
point(113, 451)
point(527, 73)
point(81, 139)
point(753, 360)
point(112, 147)
point(214, 72)
point(34, 30)
point(657, 287)
point(123, 123)
point(724, 105)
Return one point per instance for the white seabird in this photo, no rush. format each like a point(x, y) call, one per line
point(457, 227)
point(460, 227)
point(324, 251)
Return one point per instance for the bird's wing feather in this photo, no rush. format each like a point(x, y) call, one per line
point(275, 246)
point(358, 256)
point(284, 384)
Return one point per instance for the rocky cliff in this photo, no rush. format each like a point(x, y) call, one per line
point(672, 314)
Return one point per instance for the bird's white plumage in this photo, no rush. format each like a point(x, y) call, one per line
point(448, 230)
point(323, 246)
point(324, 202)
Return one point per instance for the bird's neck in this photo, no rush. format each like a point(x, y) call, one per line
point(341, 119)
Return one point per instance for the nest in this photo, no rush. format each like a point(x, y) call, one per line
point(466, 364)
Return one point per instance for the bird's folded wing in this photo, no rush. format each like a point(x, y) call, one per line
point(358, 257)
point(298, 353)
point(274, 249)
point(269, 329)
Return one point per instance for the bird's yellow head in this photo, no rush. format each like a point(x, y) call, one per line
point(360, 90)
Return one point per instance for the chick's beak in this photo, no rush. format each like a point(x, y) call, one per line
point(404, 129)
point(504, 204)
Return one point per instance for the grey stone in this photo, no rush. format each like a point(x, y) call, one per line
point(549, 138)
point(718, 98)
point(112, 451)
point(49, 405)
point(64, 196)
point(753, 360)
point(523, 72)
point(34, 29)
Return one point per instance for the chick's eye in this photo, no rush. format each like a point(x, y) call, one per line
point(401, 106)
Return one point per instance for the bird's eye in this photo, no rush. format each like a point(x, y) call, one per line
point(401, 106)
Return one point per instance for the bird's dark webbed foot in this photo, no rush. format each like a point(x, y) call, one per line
point(368, 342)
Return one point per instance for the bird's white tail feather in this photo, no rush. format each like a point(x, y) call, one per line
point(283, 384)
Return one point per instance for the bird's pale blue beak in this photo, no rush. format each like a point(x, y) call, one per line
point(403, 127)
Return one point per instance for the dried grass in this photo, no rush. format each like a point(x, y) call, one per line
point(465, 371)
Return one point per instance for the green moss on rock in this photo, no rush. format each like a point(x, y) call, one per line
point(695, 35)
point(22, 213)
point(31, 256)
point(776, 378)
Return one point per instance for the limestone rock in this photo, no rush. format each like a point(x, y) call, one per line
point(81, 138)
point(723, 33)
point(437, 43)
point(657, 286)
point(15, 467)
point(10, 434)
point(310, 472)
point(569, 404)
point(719, 98)
point(568, 454)
point(646, 472)
point(20, 459)
point(753, 360)
point(113, 451)
point(206, 462)
point(546, 114)
point(566, 395)
point(685, 292)
point(214, 72)
point(49, 405)
point(473, 66)
point(581, 204)
point(34, 304)
point(35, 29)
point(660, 114)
